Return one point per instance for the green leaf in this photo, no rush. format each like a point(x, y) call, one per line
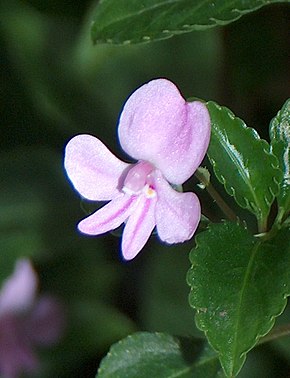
point(134, 21)
point(280, 143)
point(243, 162)
point(159, 355)
point(239, 286)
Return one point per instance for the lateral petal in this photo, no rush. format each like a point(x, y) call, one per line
point(109, 217)
point(138, 227)
point(159, 126)
point(94, 171)
point(177, 214)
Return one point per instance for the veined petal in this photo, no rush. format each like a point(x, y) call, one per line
point(177, 214)
point(92, 168)
point(159, 126)
point(138, 227)
point(109, 216)
point(18, 291)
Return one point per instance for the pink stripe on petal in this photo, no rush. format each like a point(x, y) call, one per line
point(159, 126)
point(138, 227)
point(92, 168)
point(177, 214)
point(109, 216)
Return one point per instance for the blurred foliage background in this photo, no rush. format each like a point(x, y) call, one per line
point(56, 84)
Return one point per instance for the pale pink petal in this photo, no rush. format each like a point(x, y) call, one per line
point(94, 171)
point(109, 216)
point(159, 126)
point(18, 291)
point(177, 214)
point(138, 227)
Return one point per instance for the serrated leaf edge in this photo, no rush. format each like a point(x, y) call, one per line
point(166, 33)
point(276, 138)
point(270, 323)
point(245, 202)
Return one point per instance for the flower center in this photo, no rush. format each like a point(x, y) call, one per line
point(139, 179)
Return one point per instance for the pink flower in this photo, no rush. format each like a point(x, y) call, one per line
point(25, 322)
point(169, 138)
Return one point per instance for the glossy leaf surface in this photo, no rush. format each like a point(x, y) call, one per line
point(238, 286)
point(280, 143)
point(243, 162)
point(134, 21)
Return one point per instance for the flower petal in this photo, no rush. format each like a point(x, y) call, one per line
point(138, 227)
point(93, 170)
point(46, 322)
point(17, 354)
point(177, 214)
point(18, 291)
point(159, 126)
point(109, 216)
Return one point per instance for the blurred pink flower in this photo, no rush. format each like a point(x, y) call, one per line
point(169, 138)
point(25, 322)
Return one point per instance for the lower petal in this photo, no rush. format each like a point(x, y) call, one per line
point(109, 216)
point(138, 227)
point(177, 214)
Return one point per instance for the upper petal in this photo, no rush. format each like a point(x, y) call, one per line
point(93, 170)
point(177, 214)
point(138, 227)
point(109, 216)
point(18, 291)
point(159, 126)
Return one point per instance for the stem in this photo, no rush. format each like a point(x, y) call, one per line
point(276, 333)
point(216, 196)
point(262, 225)
point(281, 216)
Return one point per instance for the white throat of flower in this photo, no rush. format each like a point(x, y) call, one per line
point(139, 180)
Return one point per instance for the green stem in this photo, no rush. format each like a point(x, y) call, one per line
point(281, 216)
point(216, 196)
point(276, 333)
point(262, 225)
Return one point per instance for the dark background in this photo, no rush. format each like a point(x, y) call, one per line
point(56, 84)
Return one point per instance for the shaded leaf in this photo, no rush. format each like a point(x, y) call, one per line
point(123, 22)
point(280, 143)
point(243, 162)
point(92, 327)
point(164, 293)
point(239, 286)
point(159, 355)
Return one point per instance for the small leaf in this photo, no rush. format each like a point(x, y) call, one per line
point(134, 21)
point(280, 143)
point(243, 162)
point(159, 355)
point(239, 286)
